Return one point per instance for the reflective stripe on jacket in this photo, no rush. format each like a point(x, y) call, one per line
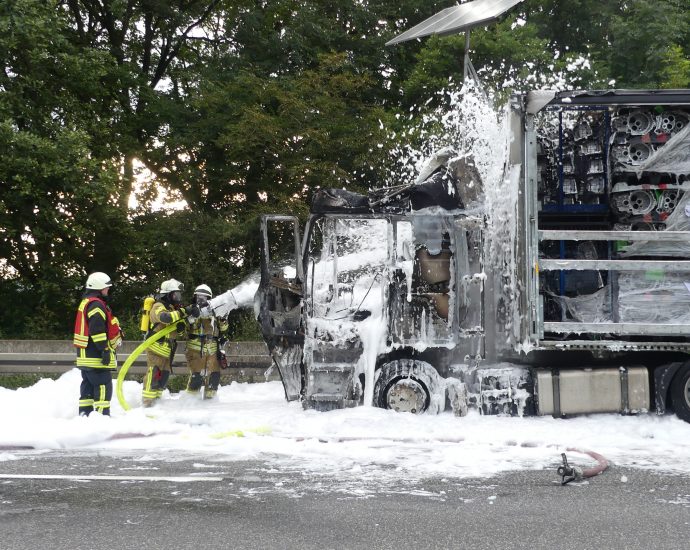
point(82, 331)
point(95, 330)
point(203, 334)
point(161, 317)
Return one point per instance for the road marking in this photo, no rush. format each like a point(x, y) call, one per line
point(181, 479)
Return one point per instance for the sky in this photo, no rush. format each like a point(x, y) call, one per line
point(359, 443)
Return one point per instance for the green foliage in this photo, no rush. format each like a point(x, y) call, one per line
point(644, 38)
point(675, 70)
point(16, 381)
point(130, 325)
point(177, 383)
point(243, 327)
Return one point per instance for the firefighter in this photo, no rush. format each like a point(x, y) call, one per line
point(204, 348)
point(96, 335)
point(166, 310)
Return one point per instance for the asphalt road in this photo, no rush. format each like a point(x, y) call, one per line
point(253, 505)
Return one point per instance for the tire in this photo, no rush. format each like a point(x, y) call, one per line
point(408, 385)
point(680, 393)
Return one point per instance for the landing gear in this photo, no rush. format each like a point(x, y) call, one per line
point(680, 393)
point(407, 385)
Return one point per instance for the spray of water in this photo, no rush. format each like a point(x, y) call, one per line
point(241, 296)
point(466, 128)
point(468, 123)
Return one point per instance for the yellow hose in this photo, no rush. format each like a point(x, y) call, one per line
point(261, 430)
point(128, 363)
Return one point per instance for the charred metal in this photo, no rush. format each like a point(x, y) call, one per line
point(568, 292)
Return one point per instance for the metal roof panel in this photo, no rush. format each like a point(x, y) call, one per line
point(457, 19)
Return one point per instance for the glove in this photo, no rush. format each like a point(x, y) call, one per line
point(192, 310)
point(105, 357)
point(222, 359)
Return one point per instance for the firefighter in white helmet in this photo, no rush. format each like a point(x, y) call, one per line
point(205, 337)
point(96, 335)
point(166, 310)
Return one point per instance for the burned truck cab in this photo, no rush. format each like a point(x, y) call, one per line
point(383, 298)
point(557, 284)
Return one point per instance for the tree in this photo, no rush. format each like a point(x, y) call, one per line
point(79, 79)
point(296, 103)
point(644, 39)
point(675, 69)
point(53, 191)
point(243, 108)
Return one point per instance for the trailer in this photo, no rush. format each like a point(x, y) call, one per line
point(562, 289)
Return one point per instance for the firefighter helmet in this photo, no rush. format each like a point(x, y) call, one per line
point(204, 290)
point(98, 281)
point(171, 285)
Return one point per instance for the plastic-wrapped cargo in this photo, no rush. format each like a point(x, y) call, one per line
point(652, 297)
point(642, 297)
point(677, 220)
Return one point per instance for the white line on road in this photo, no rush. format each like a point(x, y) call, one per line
point(181, 479)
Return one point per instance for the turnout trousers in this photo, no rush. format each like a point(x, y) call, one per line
point(156, 379)
point(95, 391)
point(200, 366)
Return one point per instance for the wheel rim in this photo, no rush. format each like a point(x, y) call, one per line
point(686, 393)
point(407, 395)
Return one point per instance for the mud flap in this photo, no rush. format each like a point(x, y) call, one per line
point(288, 359)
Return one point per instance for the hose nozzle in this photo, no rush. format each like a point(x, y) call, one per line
point(567, 472)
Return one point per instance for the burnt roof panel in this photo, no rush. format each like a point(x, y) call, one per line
point(621, 97)
point(457, 19)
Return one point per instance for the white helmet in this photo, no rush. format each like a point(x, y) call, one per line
point(98, 281)
point(204, 290)
point(171, 285)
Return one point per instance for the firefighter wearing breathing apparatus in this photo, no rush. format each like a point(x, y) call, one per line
point(165, 311)
point(96, 335)
point(204, 347)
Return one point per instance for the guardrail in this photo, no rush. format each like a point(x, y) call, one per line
point(57, 356)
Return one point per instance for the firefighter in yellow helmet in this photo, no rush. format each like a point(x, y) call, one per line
point(96, 335)
point(166, 310)
point(204, 342)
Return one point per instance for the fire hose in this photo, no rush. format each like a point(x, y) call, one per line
point(128, 363)
point(570, 473)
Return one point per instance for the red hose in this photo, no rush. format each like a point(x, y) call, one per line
point(602, 462)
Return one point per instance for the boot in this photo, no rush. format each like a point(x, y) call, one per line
point(195, 382)
point(163, 381)
point(213, 381)
point(212, 386)
point(85, 407)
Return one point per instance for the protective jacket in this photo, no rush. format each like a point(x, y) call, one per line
point(203, 335)
point(161, 316)
point(95, 330)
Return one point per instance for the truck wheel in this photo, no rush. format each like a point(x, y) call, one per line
point(407, 385)
point(680, 393)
